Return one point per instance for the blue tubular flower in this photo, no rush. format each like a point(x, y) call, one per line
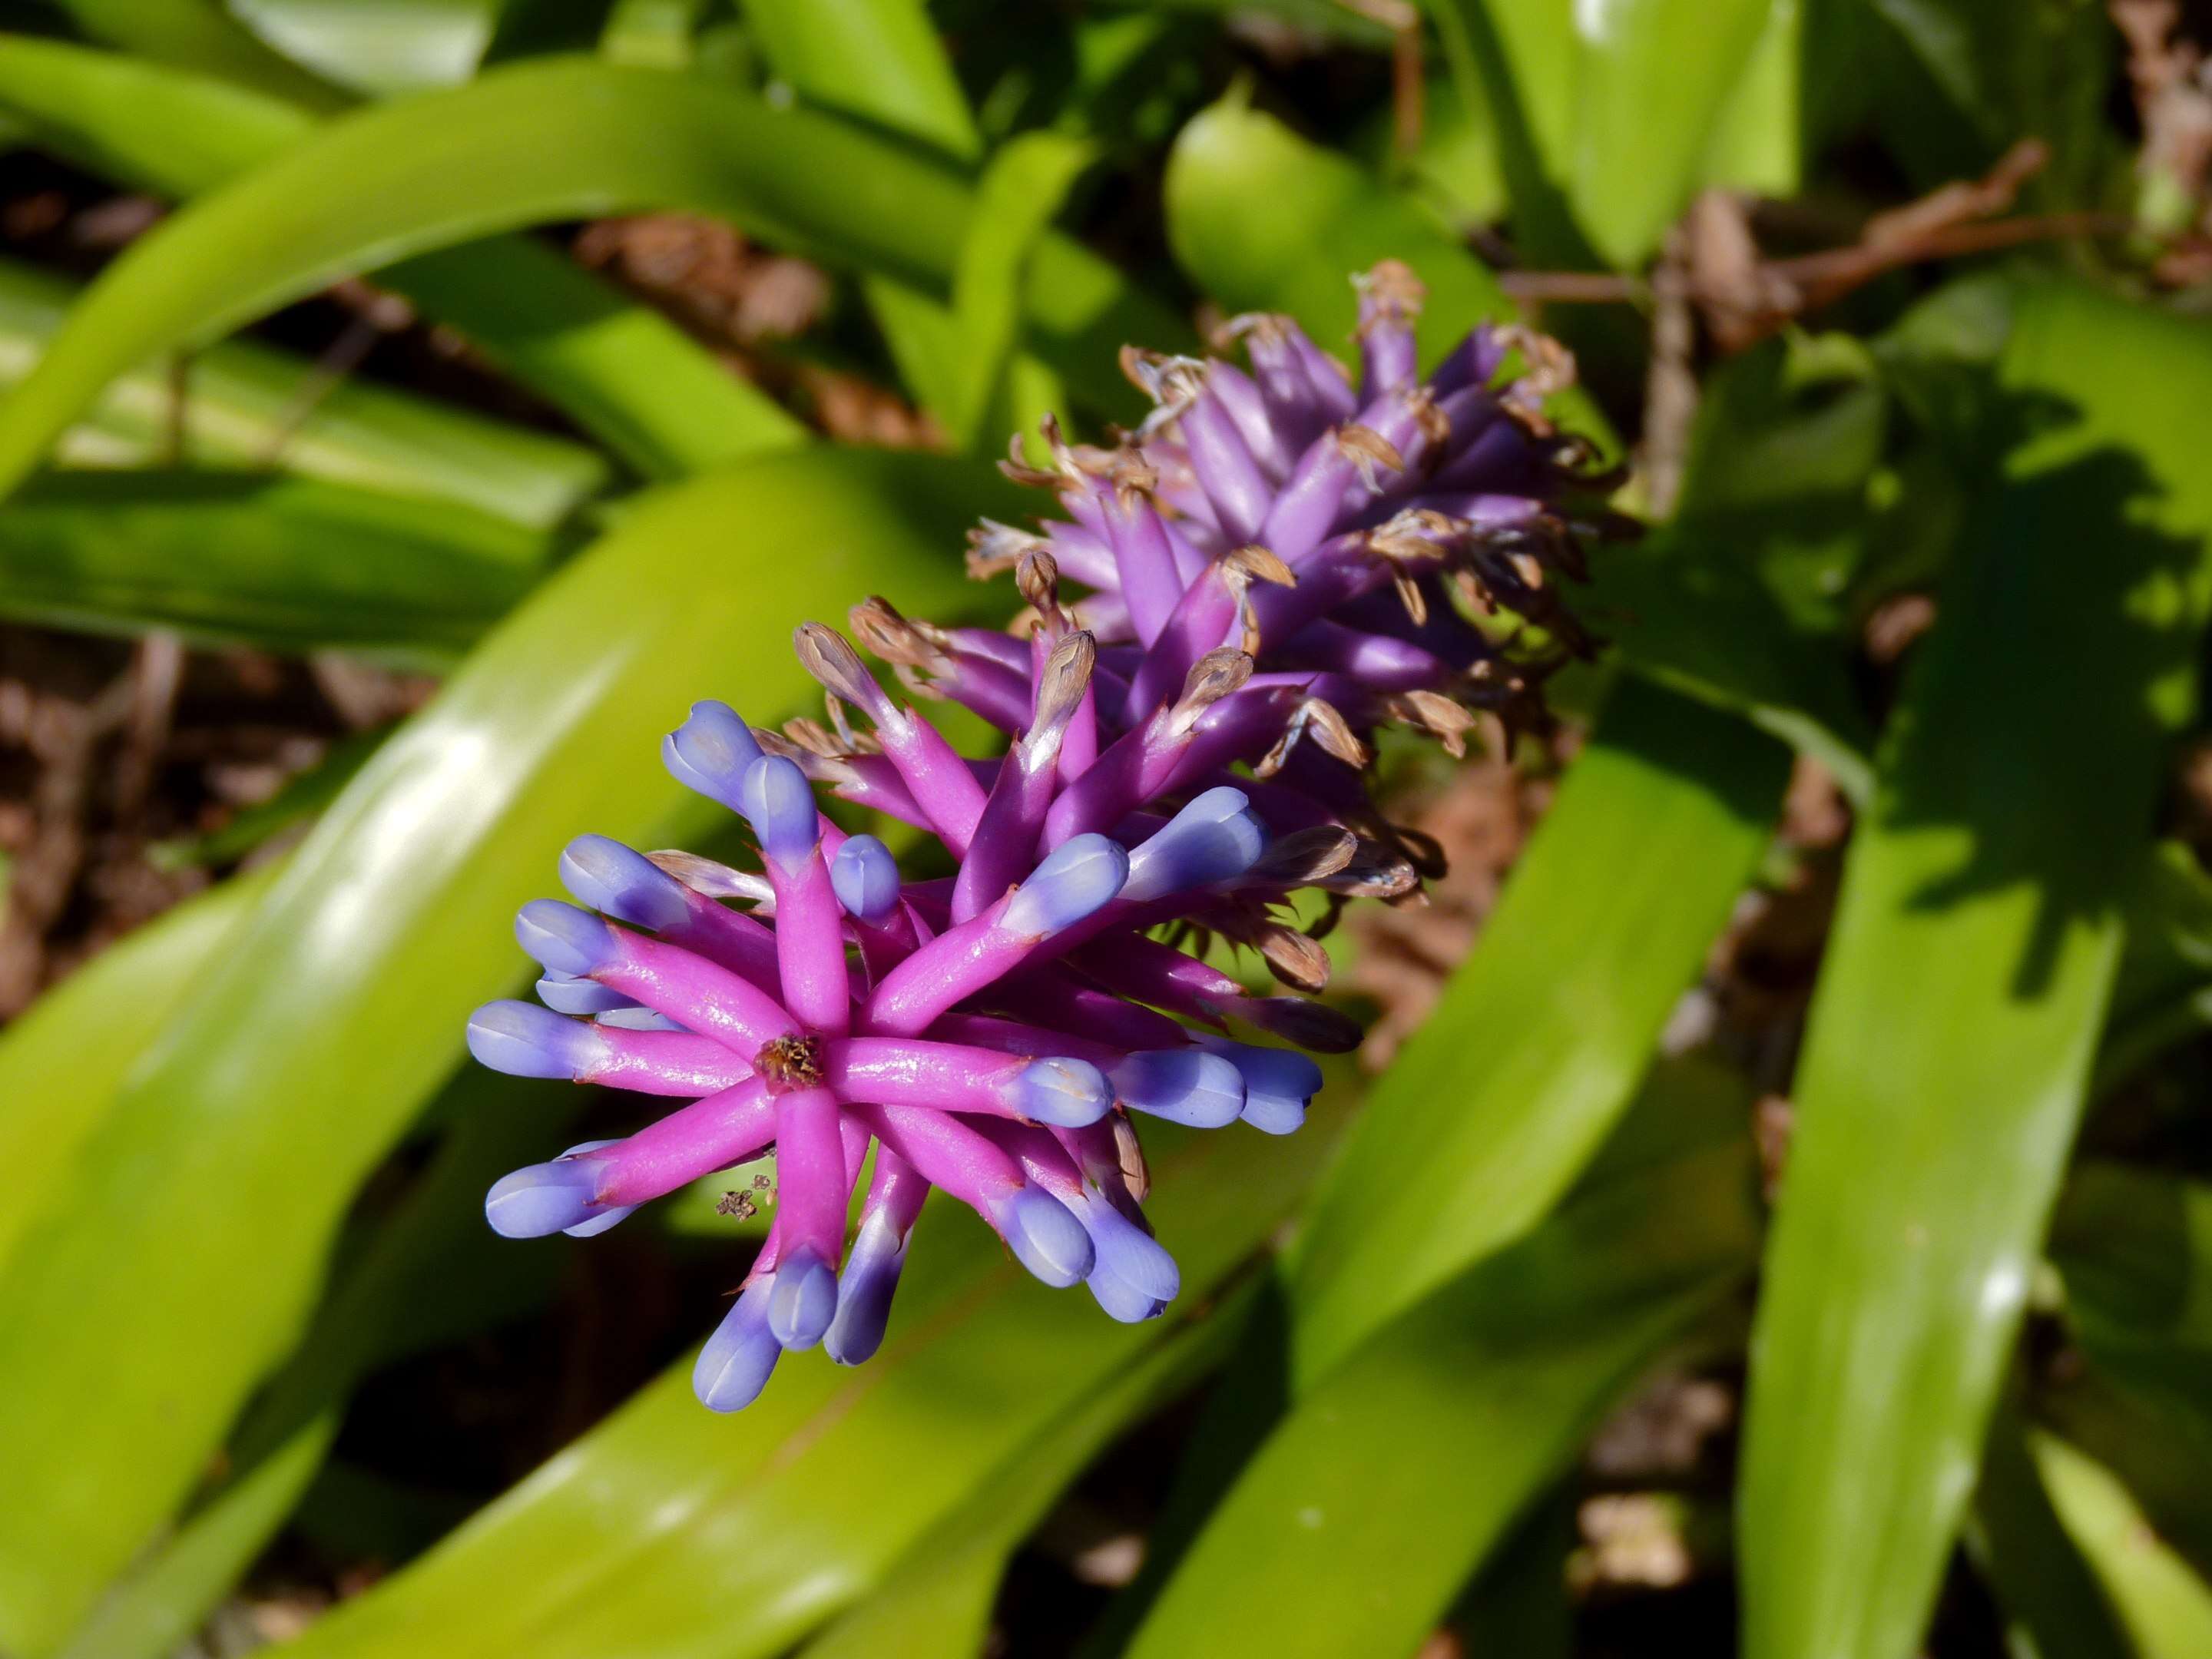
point(1275, 565)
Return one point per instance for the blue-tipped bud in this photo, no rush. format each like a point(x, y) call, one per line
point(1076, 878)
point(1044, 1235)
point(1127, 1252)
point(734, 1365)
point(1184, 1086)
point(566, 939)
point(1066, 1093)
point(605, 1219)
point(1216, 838)
point(640, 1020)
point(805, 1299)
point(543, 1198)
point(864, 1290)
point(710, 751)
point(564, 993)
point(523, 1040)
point(779, 803)
point(625, 885)
point(1278, 1082)
point(865, 877)
point(1122, 1300)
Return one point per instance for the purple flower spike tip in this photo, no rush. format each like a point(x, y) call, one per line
point(710, 751)
point(779, 803)
point(1184, 1086)
point(865, 877)
point(562, 937)
point(1069, 1094)
point(734, 1365)
point(805, 1299)
point(1080, 876)
point(543, 1198)
point(1285, 558)
point(523, 1040)
point(627, 886)
point(1045, 1236)
point(1216, 838)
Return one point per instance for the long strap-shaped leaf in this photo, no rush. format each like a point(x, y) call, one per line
point(340, 1005)
point(625, 373)
point(541, 142)
point(1352, 1527)
point(1498, 1103)
point(670, 1531)
point(1967, 977)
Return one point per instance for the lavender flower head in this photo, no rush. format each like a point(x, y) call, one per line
point(1275, 565)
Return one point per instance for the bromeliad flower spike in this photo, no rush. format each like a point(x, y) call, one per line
point(1276, 565)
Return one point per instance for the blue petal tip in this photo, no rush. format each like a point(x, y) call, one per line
point(1079, 877)
point(779, 803)
point(1184, 1086)
point(523, 1040)
point(865, 877)
point(622, 882)
point(1045, 1236)
point(734, 1365)
point(1065, 1093)
point(805, 1299)
point(563, 937)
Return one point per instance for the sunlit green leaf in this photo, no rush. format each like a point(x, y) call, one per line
point(287, 564)
point(658, 399)
point(540, 141)
point(340, 1005)
point(1973, 955)
point(1496, 1104)
point(2166, 1609)
point(1365, 1510)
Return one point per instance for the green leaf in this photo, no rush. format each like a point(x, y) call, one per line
point(432, 1273)
point(1967, 976)
point(392, 46)
point(201, 36)
point(248, 405)
point(671, 1531)
point(2164, 995)
point(1500, 1100)
point(625, 373)
point(340, 1006)
point(936, 1602)
point(1652, 77)
point(2166, 1609)
point(1020, 193)
point(535, 142)
point(880, 60)
point(285, 564)
point(1617, 112)
point(1364, 1513)
point(2053, 1603)
point(64, 1062)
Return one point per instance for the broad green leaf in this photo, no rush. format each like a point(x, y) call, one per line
point(1653, 77)
point(1615, 111)
point(1755, 143)
point(248, 405)
point(1967, 977)
point(1499, 1101)
point(339, 1007)
point(390, 46)
point(199, 35)
point(2166, 1608)
point(936, 1602)
point(1366, 1510)
point(286, 564)
point(63, 1063)
point(625, 373)
point(670, 1531)
point(1020, 193)
point(880, 60)
point(536, 142)
point(432, 1273)
point(2054, 1606)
